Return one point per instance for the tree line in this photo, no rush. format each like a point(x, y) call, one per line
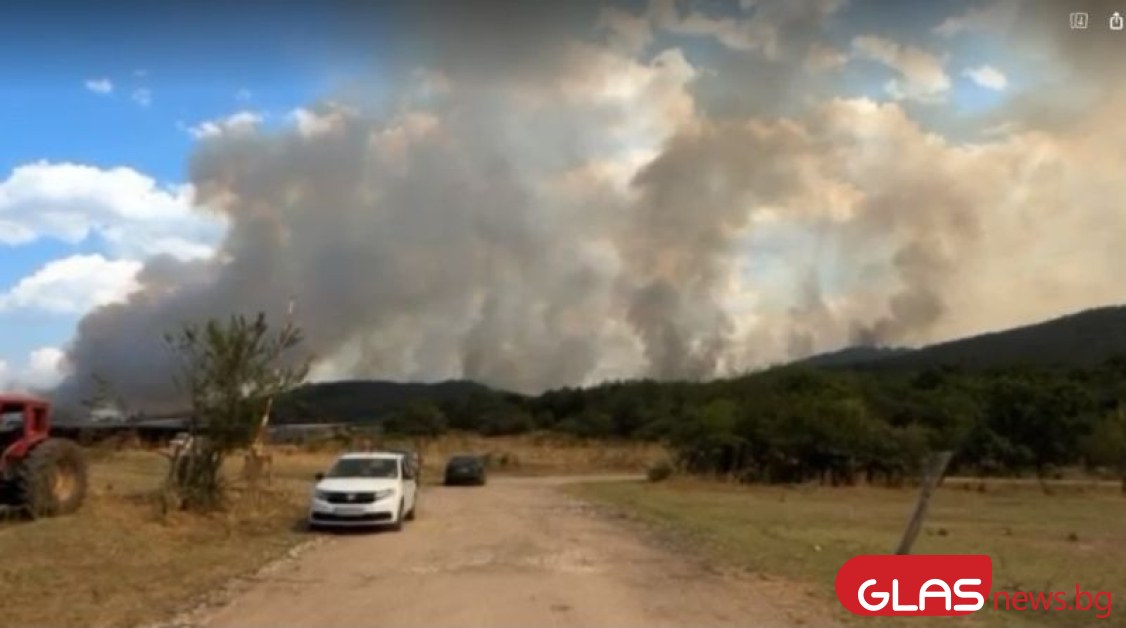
point(803, 423)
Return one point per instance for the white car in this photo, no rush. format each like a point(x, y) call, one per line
point(365, 489)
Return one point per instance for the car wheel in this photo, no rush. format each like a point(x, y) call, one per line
point(414, 507)
point(398, 525)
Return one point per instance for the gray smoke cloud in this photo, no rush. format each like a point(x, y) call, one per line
point(420, 246)
point(576, 202)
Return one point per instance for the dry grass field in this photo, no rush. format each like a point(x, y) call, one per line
point(118, 562)
point(804, 534)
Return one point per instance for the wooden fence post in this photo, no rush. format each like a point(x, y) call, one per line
point(934, 474)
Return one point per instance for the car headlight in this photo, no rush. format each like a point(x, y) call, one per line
point(384, 494)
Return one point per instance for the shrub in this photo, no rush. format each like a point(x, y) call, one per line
point(660, 472)
point(231, 371)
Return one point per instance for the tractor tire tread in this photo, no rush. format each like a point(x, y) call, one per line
point(34, 475)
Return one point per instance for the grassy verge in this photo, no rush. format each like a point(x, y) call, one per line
point(116, 563)
point(1038, 542)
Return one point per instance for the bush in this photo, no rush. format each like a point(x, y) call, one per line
point(660, 472)
point(231, 371)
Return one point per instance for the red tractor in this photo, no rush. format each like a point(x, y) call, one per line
point(40, 475)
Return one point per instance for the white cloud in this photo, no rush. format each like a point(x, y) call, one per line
point(988, 77)
point(73, 285)
point(142, 97)
point(312, 123)
point(46, 367)
point(756, 27)
point(243, 95)
point(821, 58)
point(994, 17)
point(130, 211)
point(238, 122)
point(734, 33)
point(923, 75)
point(99, 85)
point(651, 99)
point(42, 370)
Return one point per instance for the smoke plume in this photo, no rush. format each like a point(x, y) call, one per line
point(588, 201)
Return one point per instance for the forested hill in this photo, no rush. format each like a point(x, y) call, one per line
point(853, 356)
point(1077, 340)
point(1004, 411)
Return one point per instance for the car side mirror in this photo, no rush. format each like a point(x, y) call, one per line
point(319, 477)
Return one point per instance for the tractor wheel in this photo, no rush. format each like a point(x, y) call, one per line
point(51, 480)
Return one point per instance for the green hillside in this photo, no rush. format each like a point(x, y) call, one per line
point(1077, 340)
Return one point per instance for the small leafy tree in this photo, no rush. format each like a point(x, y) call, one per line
point(229, 370)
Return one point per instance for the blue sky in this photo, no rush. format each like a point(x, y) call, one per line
point(194, 68)
point(168, 66)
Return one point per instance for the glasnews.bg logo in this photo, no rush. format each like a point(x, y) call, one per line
point(919, 585)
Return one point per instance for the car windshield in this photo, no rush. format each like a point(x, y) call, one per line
point(464, 461)
point(364, 468)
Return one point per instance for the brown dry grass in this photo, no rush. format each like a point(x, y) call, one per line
point(528, 454)
point(118, 563)
point(547, 453)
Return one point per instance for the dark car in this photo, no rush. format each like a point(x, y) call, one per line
point(465, 469)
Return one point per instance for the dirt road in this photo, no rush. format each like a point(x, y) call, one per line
point(518, 552)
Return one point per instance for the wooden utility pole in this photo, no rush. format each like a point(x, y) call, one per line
point(930, 481)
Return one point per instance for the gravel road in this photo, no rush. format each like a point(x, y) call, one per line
point(516, 553)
